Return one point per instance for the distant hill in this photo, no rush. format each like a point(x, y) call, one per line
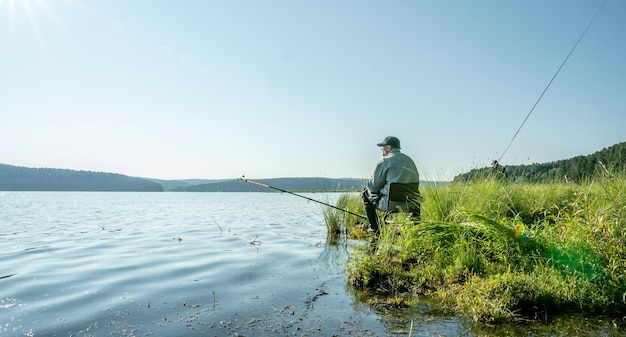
point(16, 178)
point(575, 169)
point(169, 185)
point(288, 184)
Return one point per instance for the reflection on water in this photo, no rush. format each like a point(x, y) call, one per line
point(184, 264)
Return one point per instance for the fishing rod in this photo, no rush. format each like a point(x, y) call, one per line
point(301, 196)
point(553, 77)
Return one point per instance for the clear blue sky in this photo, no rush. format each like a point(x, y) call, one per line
point(217, 89)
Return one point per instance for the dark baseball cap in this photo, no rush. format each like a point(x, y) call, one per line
point(392, 141)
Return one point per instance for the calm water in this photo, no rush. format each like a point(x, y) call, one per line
point(181, 264)
point(197, 264)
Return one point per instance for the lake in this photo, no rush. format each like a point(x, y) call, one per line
point(183, 264)
point(200, 264)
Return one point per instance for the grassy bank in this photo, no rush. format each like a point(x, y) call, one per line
point(500, 252)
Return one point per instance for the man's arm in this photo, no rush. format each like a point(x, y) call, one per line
point(377, 182)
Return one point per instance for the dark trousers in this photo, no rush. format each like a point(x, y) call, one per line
point(370, 210)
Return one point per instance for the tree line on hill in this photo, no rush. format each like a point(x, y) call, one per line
point(15, 178)
point(576, 169)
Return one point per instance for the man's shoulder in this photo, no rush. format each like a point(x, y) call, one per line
point(397, 154)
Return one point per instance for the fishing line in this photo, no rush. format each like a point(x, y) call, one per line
point(552, 80)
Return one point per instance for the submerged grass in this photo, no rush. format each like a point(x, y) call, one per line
point(499, 252)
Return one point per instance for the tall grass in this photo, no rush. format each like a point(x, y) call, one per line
point(498, 251)
point(339, 222)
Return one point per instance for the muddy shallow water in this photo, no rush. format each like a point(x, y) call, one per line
point(188, 264)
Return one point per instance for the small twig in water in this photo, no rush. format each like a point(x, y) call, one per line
point(218, 226)
point(255, 242)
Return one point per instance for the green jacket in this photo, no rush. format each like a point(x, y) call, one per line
point(395, 167)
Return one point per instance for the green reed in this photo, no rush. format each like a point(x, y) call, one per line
point(337, 221)
point(498, 251)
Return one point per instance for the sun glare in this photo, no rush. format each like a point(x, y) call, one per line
point(18, 10)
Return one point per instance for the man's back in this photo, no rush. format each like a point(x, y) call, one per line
point(401, 168)
point(395, 167)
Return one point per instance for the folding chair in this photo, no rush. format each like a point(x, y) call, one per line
point(406, 197)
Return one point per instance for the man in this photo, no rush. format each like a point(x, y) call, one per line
point(393, 167)
point(498, 171)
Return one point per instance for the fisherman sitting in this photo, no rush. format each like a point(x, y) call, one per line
point(393, 167)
